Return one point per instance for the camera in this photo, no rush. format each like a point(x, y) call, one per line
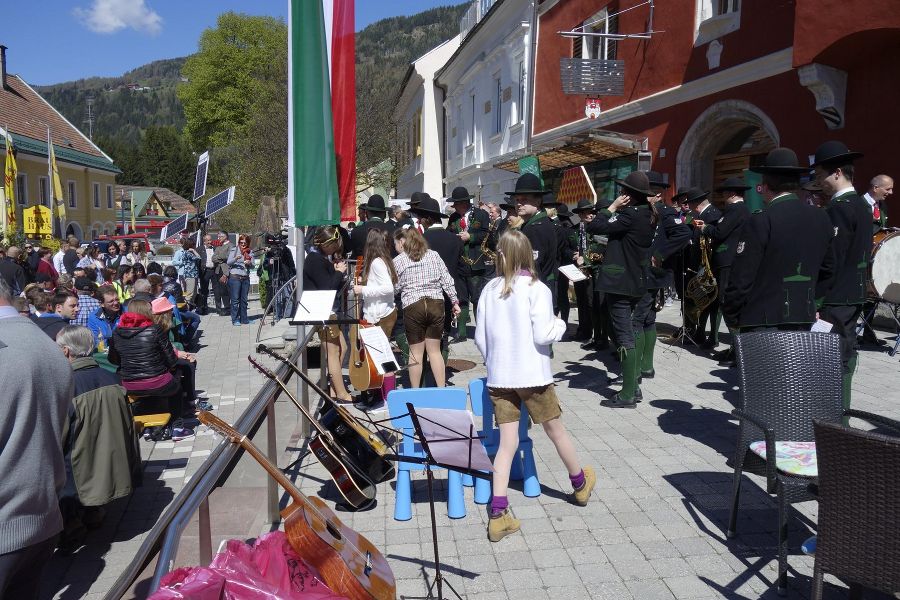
point(275, 239)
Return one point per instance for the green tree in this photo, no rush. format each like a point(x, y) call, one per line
point(221, 88)
point(166, 161)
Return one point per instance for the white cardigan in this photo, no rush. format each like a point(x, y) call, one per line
point(514, 333)
point(378, 293)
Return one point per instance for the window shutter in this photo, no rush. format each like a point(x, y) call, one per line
point(577, 43)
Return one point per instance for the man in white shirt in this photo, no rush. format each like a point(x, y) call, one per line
point(58, 257)
point(880, 187)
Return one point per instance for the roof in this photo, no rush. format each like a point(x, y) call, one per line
point(589, 147)
point(175, 204)
point(27, 115)
point(469, 36)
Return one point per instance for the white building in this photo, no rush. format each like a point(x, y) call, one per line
point(487, 100)
point(419, 119)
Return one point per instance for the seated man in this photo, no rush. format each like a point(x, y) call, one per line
point(64, 308)
point(99, 444)
point(103, 320)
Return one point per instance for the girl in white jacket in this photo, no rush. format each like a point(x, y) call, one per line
point(515, 328)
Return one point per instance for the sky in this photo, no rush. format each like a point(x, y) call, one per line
point(52, 41)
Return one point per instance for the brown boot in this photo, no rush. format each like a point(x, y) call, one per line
point(583, 494)
point(502, 525)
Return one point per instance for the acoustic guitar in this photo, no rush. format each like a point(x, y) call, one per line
point(365, 447)
point(364, 374)
point(347, 562)
point(352, 481)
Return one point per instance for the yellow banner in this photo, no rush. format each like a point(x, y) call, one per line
point(37, 223)
point(9, 183)
point(56, 188)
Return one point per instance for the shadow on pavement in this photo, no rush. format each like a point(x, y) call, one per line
point(708, 426)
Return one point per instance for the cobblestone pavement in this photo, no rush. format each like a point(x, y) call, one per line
point(654, 527)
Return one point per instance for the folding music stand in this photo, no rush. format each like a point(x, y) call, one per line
point(444, 445)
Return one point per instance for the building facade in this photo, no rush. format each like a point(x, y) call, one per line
point(486, 97)
point(86, 173)
point(718, 83)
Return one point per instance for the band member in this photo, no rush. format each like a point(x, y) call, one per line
point(784, 260)
point(514, 331)
point(629, 224)
point(588, 253)
point(567, 240)
point(880, 188)
point(724, 236)
point(323, 269)
point(852, 246)
point(495, 223)
point(471, 225)
point(702, 212)
point(530, 202)
point(376, 212)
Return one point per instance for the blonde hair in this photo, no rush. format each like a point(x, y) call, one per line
point(514, 254)
point(515, 223)
point(164, 320)
point(414, 244)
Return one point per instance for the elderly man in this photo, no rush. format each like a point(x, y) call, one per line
point(34, 401)
point(99, 446)
point(880, 187)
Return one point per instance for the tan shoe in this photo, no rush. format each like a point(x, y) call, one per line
point(582, 494)
point(502, 525)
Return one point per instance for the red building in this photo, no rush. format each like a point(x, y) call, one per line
point(720, 82)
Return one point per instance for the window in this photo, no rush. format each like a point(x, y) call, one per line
point(498, 106)
point(417, 132)
point(70, 189)
point(727, 6)
point(459, 130)
point(44, 190)
point(96, 195)
point(471, 139)
point(716, 18)
point(109, 196)
point(520, 103)
point(22, 189)
point(595, 47)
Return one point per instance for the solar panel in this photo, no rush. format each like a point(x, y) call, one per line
point(174, 228)
point(219, 201)
point(200, 178)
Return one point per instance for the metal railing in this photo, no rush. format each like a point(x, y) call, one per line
point(290, 284)
point(164, 538)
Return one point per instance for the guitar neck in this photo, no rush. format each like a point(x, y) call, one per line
point(306, 378)
point(274, 471)
point(316, 425)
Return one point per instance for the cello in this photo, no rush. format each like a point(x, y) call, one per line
point(347, 562)
point(364, 373)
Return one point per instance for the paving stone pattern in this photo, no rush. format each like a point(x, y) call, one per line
point(654, 528)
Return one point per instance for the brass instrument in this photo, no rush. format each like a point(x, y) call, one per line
point(489, 256)
point(702, 289)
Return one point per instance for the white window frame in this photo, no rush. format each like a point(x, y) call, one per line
point(44, 191)
point(72, 193)
point(497, 117)
point(110, 200)
point(22, 189)
point(715, 18)
point(96, 187)
point(459, 129)
point(470, 132)
point(599, 23)
point(520, 101)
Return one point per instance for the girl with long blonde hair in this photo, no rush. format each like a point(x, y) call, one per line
point(515, 328)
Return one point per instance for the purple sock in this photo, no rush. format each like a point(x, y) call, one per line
point(498, 504)
point(577, 480)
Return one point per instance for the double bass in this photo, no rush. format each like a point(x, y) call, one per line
point(364, 373)
point(347, 562)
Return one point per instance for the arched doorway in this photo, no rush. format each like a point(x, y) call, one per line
point(725, 139)
point(74, 229)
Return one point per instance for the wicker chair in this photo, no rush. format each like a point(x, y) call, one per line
point(787, 379)
point(859, 508)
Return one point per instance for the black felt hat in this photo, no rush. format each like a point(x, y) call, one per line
point(834, 153)
point(529, 183)
point(562, 210)
point(506, 205)
point(417, 197)
point(375, 204)
point(656, 180)
point(696, 196)
point(781, 161)
point(428, 207)
point(733, 184)
point(460, 194)
point(637, 182)
point(812, 186)
point(585, 205)
point(682, 193)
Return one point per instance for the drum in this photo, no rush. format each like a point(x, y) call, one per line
point(884, 273)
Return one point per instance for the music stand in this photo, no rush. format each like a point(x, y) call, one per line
point(457, 451)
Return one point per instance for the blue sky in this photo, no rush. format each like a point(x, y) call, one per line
point(51, 41)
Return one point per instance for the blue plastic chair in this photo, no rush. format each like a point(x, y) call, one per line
point(452, 398)
point(523, 466)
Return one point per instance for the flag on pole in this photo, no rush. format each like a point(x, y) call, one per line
point(133, 228)
point(342, 48)
point(58, 201)
point(10, 173)
point(312, 169)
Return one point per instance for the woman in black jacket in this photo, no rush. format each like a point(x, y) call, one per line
point(146, 360)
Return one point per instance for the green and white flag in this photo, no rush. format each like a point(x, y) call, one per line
point(312, 167)
point(531, 164)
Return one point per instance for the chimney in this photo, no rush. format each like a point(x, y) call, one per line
point(2, 67)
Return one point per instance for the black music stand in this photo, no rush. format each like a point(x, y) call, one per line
point(458, 459)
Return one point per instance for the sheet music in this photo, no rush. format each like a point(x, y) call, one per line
point(315, 306)
point(821, 326)
point(379, 348)
point(447, 433)
point(572, 272)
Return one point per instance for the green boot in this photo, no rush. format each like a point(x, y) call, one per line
point(403, 344)
point(715, 327)
point(647, 370)
point(626, 397)
point(848, 383)
point(462, 334)
point(638, 358)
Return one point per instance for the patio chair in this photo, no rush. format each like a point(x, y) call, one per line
point(787, 379)
point(452, 398)
point(523, 466)
point(859, 508)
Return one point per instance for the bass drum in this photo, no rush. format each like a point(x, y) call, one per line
point(884, 276)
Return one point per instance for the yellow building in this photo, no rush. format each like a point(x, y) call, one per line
point(86, 173)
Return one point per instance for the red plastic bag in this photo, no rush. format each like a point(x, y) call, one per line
point(268, 570)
